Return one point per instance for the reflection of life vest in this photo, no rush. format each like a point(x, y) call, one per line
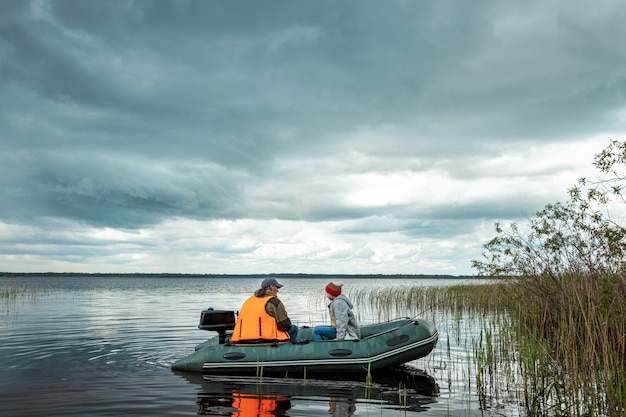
point(254, 324)
point(255, 405)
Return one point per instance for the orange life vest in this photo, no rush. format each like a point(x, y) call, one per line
point(254, 324)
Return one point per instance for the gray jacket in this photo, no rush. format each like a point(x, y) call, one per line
point(341, 313)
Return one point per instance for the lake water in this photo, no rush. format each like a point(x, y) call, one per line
point(103, 346)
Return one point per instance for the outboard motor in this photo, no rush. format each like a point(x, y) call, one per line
point(220, 321)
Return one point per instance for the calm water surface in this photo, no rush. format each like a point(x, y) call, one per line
point(104, 347)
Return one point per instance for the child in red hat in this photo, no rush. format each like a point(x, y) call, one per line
point(343, 323)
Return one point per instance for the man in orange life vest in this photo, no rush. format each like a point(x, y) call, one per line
point(263, 317)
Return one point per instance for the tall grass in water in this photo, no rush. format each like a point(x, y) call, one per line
point(554, 345)
point(467, 299)
point(10, 297)
point(458, 311)
point(11, 292)
point(14, 292)
point(571, 330)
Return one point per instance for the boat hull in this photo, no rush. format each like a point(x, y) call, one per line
point(382, 346)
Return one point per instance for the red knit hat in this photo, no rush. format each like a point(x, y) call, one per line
point(334, 289)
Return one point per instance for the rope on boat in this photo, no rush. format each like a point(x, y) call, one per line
point(410, 320)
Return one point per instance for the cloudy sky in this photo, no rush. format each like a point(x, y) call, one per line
point(243, 136)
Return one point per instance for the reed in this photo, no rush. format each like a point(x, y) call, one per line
point(11, 292)
point(14, 292)
point(259, 372)
point(555, 345)
point(460, 300)
point(574, 326)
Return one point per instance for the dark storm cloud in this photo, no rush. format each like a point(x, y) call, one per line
point(105, 190)
point(378, 117)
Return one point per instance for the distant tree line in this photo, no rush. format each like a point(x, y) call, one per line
point(179, 275)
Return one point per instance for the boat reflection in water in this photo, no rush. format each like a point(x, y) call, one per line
point(404, 388)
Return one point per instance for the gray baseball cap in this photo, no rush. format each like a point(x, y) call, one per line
point(270, 281)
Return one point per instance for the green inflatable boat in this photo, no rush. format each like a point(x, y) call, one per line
point(382, 345)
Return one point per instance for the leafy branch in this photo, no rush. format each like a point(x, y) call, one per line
point(578, 237)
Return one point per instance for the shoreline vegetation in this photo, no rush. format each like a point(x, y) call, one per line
point(563, 331)
point(561, 352)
